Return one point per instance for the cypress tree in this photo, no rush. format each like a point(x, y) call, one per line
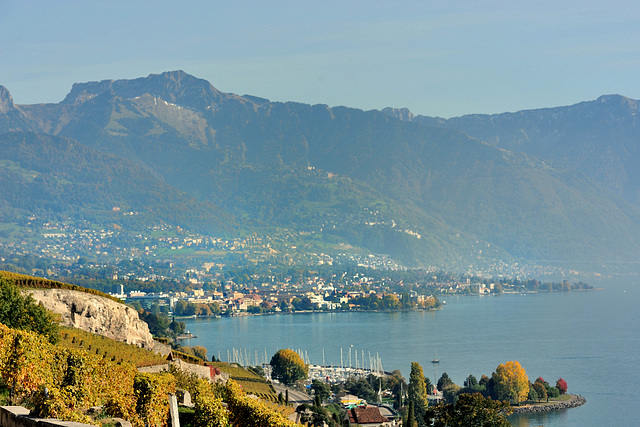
point(417, 392)
point(411, 418)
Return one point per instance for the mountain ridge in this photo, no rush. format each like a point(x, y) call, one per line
point(599, 138)
point(339, 169)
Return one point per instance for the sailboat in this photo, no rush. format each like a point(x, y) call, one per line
point(435, 359)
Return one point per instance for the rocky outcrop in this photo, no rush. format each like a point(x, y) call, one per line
point(574, 402)
point(6, 101)
point(11, 118)
point(96, 314)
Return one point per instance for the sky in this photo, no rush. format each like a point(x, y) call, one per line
point(436, 57)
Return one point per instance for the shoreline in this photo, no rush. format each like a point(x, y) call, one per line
point(575, 401)
point(439, 307)
point(244, 313)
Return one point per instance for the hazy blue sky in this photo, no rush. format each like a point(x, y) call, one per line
point(443, 58)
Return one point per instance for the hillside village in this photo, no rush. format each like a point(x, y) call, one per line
point(72, 249)
point(188, 274)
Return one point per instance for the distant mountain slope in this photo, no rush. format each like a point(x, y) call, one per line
point(515, 202)
point(600, 138)
point(394, 183)
point(59, 176)
point(11, 118)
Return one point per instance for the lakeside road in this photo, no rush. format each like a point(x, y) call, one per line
point(295, 396)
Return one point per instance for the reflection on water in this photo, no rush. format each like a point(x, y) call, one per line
point(538, 419)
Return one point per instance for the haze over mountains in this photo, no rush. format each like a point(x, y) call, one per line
point(558, 184)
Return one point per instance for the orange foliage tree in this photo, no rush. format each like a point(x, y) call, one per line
point(511, 382)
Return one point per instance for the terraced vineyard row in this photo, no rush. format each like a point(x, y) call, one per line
point(107, 348)
point(250, 382)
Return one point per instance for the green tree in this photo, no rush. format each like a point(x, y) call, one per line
point(177, 327)
point(469, 410)
point(444, 382)
point(541, 391)
point(470, 381)
point(511, 382)
point(428, 385)
point(288, 367)
point(397, 384)
point(22, 312)
point(361, 388)
point(321, 389)
point(417, 391)
point(552, 392)
point(180, 307)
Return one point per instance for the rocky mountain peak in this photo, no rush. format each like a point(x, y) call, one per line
point(6, 101)
point(399, 113)
point(619, 101)
point(176, 87)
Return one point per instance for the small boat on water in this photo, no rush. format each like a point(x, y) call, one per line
point(435, 359)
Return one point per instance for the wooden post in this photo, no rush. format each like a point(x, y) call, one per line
point(173, 410)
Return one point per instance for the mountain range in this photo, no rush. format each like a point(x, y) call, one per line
point(550, 185)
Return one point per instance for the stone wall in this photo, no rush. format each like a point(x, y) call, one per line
point(205, 372)
point(17, 416)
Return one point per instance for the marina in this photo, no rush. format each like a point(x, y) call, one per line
point(353, 363)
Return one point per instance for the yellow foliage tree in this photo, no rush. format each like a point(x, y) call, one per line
point(511, 382)
point(288, 367)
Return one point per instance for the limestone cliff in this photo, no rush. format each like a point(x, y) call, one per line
point(96, 314)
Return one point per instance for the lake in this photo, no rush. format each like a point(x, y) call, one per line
point(591, 339)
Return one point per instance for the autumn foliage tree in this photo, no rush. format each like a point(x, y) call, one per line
point(511, 382)
point(288, 367)
point(561, 385)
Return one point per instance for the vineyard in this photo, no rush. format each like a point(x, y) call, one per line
point(30, 282)
point(57, 382)
point(248, 381)
point(115, 351)
point(85, 371)
point(60, 382)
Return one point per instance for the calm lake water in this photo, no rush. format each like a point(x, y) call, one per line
point(591, 339)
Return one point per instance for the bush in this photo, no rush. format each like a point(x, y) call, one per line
point(22, 312)
point(209, 411)
point(151, 391)
point(247, 412)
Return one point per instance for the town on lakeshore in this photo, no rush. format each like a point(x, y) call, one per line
point(189, 274)
point(312, 292)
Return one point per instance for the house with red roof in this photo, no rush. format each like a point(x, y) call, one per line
point(368, 416)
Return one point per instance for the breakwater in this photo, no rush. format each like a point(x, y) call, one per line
point(574, 402)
